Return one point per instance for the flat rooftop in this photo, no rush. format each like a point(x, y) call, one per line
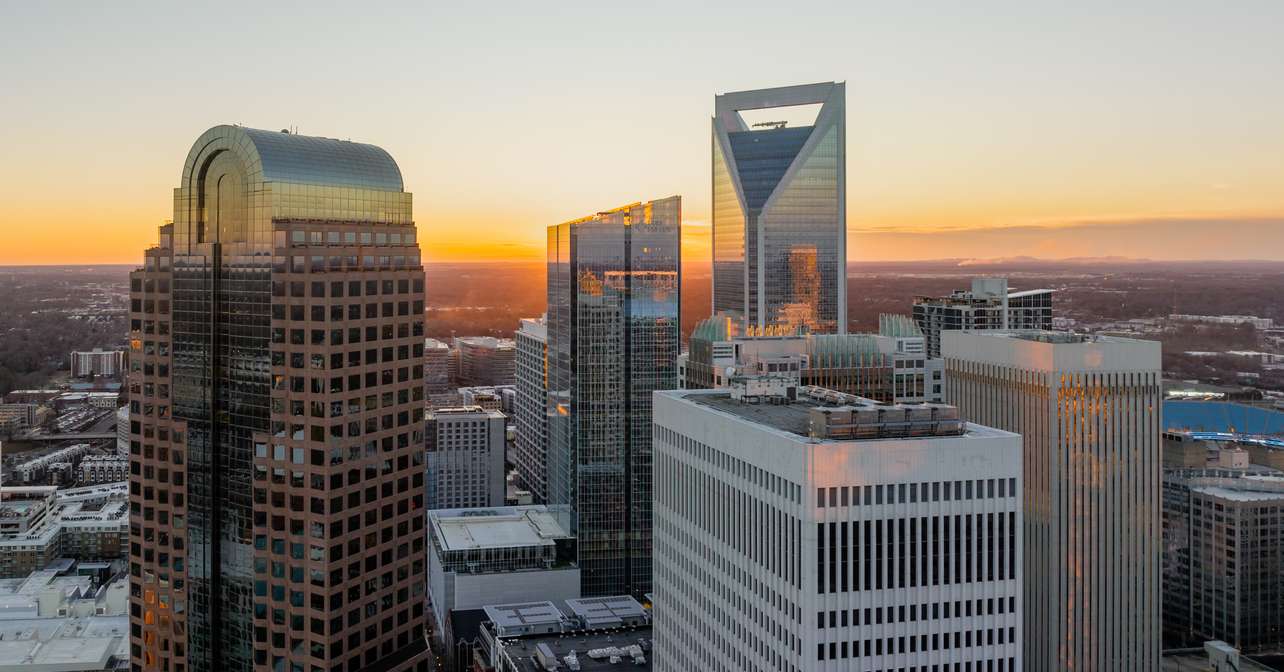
point(497, 527)
point(795, 418)
point(1197, 661)
point(56, 644)
point(562, 644)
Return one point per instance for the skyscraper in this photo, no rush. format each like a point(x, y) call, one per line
point(276, 485)
point(1088, 410)
point(613, 339)
point(812, 530)
point(530, 412)
point(780, 210)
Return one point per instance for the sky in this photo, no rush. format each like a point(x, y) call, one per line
point(975, 129)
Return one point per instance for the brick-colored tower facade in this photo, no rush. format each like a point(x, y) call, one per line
point(276, 414)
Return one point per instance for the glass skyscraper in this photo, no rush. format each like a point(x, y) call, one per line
point(780, 210)
point(276, 410)
point(613, 339)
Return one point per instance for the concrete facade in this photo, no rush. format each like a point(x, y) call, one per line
point(1088, 409)
point(778, 550)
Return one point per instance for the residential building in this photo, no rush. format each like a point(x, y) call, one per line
point(807, 529)
point(780, 209)
point(40, 524)
point(95, 469)
point(276, 335)
point(530, 412)
point(587, 634)
point(437, 359)
point(15, 418)
point(1223, 547)
point(1088, 410)
point(889, 366)
point(465, 464)
point(613, 339)
point(989, 305)
point(482, 556)
point(97, 362)
point(485, 360)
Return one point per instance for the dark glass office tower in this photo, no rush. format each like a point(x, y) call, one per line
point(780, 210)
point(613, 339)
point(276, 441)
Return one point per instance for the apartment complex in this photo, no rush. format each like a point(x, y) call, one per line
point(465, 463)
point(276, 446)
point(988, 305)
point(530, 450)
point(97, 362)
point(780, 209)
point(806, 529)
point(613, 339)
point(40, 524)
point(1088, 410)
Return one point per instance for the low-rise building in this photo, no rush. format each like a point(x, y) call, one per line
point(589, 634)
point(95, 469)
point(40, 524)
point(88, 644)
point(478, 557)
point(65, 589)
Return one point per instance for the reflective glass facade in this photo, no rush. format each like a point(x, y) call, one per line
point(289, 527)
point(779, 211)
point(613, 339)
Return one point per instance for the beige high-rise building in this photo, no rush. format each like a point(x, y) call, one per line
point(276, 414)
point(1088, 409)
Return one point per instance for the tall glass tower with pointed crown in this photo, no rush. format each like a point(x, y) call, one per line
point(780, 210)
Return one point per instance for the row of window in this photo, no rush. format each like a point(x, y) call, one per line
point(913, 493)
point(299, 237)
point(924, 643)
point(901, 613)
point(920, 551)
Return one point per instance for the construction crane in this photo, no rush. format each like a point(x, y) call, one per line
point(771, 124)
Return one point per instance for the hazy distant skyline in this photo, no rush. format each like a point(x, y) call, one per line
point(980, 130)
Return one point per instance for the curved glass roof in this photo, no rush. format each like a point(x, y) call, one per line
point(302, 159)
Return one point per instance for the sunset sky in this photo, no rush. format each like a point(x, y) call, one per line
point(984, 129)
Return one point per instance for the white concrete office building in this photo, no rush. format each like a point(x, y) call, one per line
point(465, 457)
point(814, 530)
point(1088, 409)
point(531, 407)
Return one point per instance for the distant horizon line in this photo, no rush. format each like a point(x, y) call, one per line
point(962, 262)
